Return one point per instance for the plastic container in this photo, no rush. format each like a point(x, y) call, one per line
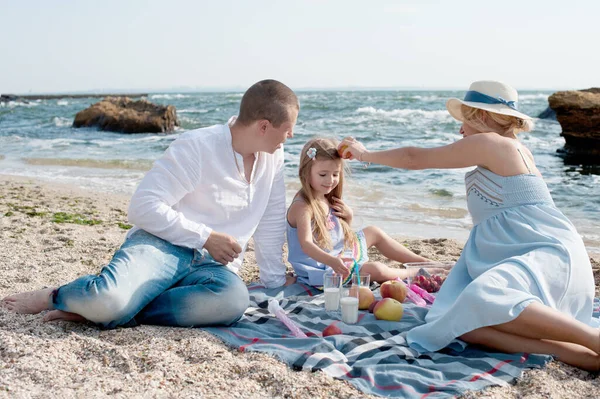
point(428, 275)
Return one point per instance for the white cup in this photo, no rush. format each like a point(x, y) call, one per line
point(331, 288)
point(349, 305)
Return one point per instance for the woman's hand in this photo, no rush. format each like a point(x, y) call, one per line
point(341, 210)
point(349, 148)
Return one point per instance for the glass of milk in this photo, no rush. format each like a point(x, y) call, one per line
point(349, 305)
point(331, 288)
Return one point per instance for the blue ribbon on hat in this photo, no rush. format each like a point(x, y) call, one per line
point(477, 97)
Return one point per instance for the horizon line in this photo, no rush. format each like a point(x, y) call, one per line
point(237, 89)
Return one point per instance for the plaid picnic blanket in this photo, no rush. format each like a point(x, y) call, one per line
point(373, 354)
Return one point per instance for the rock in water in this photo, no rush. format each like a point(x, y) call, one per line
point(121, 114)
point(578, 113)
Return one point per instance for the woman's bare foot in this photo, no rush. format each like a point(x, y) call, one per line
point(59, 315)
point(31, 302)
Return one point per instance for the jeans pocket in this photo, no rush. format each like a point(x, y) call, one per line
point(199, 257)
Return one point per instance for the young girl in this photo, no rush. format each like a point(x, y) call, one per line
point(319, 233)
point(523, 282)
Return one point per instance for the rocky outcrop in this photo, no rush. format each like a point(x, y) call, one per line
point(121, 114)
point(4, 98)
point(578, 113)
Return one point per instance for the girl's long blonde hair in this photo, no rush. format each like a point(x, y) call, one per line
point(505, 125)
point(326, 149)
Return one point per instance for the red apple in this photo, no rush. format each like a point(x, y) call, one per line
point(388, 309)
point(393, 289)
point(331, 329)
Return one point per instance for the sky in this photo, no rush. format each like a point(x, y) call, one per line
point(51, 46)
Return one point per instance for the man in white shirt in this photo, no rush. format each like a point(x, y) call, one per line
point(194, 212)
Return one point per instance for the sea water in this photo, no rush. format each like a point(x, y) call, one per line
point(332, 299)
point(349, 306)
point(37, 141)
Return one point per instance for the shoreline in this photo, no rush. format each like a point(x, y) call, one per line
point(68, 359)
point(399, 229)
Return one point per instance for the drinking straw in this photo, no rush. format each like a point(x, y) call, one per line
point(353, 270)
point(356, 271)
point(289, 323)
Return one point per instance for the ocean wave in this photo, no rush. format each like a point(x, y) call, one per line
point(133, 139)
point(234, 95)
point(13, 104)
point(168, 96)
point(62, 122)
point(445, 213)
point(136, 164)
point(193, 111)
point(441, 192)
point(151, 138)
point(62, 102)
point(13, 138)
point(423, 98)
point(540, 96)
point(403, 115)
point(52, 144)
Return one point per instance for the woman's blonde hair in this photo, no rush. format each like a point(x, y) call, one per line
point(505, 125)
point(326, 149)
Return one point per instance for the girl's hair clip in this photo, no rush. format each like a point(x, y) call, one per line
point(311, 153)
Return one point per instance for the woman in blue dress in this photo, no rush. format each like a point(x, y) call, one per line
point(523, 282)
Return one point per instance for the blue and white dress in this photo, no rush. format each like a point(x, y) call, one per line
point(311, 272)
point(522, 249)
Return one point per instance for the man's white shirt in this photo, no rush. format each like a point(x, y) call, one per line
point(197, 187)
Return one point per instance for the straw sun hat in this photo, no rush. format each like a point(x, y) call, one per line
point(490, 96)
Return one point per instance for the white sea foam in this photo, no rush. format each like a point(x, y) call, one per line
point(62, 102)
point(235, 95)
point(404, 115)
point(423, 98)
point(147, 138)
point(193, 111)
point(61, 122)
point(539, 96)
point(13, 104)
point(168, 96)
point(132, 139)
point(41, 144)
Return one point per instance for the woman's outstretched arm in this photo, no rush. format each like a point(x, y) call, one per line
point(479, 149)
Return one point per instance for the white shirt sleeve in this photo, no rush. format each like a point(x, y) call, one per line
point(270, 234)
point(173, 176)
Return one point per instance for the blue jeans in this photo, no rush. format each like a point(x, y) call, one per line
point(151, 281)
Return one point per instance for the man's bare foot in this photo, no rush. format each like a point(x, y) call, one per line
point(31, 302)
point(59, 315)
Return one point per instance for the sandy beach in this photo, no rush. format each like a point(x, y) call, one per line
point(52, 234)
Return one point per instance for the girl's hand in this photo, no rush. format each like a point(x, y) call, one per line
point(339, 266)
point(342, 210)
point(349, 148)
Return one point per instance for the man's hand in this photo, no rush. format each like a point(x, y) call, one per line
point(222, 247)
point(290, 279)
